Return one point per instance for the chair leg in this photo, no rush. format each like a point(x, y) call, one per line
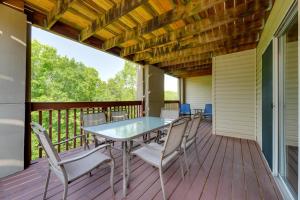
point(47, 183)
point(86, 145)
point(185, 159)
point(162, 183)
point(112, 171)
point(197, 153)
point(65, 190)
point(181, 167)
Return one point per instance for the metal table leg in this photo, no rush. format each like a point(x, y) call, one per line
point(125, 163)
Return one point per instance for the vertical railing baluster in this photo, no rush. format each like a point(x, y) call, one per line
point(58, 129)
point(75, 129)
point(41, 123)
point(67, 129)
point(50, 124)
point(81, 131)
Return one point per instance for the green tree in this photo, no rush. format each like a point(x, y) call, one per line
point(171, 95)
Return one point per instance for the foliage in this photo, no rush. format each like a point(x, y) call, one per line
point(58, 78)
point(171, 95)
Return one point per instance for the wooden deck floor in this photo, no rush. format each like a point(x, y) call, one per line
point(229, 169)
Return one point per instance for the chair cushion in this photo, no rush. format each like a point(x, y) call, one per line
point(80, 167)
point(151, 154)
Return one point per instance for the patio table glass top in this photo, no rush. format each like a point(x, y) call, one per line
point(128, 129)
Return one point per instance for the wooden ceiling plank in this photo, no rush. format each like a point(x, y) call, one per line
point(186, 59)
point(180, 12)
point(187, 64)
point(207, 37)
point(196, 28)
point(110, 16)
point(205, 49)
point(60, 8)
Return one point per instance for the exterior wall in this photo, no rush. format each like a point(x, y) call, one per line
point(291, 91)
point(276, 16)
point(198, 91)
point(12, 89)
point(154, 90)
point(234, 94)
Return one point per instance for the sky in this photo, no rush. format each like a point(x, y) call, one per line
point(106, 64)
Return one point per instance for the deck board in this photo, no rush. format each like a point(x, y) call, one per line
point(228, 168)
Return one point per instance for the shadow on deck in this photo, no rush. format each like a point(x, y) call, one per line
point(229, 168)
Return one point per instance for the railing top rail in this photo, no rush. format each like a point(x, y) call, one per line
point(37, 106)
point(172, 101)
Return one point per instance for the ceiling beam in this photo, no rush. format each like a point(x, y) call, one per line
point(191, 69)
point(186, 59)
point(229, 31)
point(188, 64)
point(192, 74)
point(208, 48)
point(55, 14)
point(111, 16)
point(15, 4)
point(180, 12)
point(236, 15)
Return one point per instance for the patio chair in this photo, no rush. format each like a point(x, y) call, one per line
point(93, 119)
point(207, 114)
point(190, 137)
point(165, 114)
point(161, 155)
point(118, 115)
point(69, 170)
point(185, 109)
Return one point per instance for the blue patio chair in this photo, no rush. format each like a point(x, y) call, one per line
point(207, 111)
point(185, 109)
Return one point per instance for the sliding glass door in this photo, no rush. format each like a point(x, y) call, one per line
point(288, 104)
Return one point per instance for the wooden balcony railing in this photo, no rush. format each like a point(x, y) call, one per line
point(172, 104)
point(62, 121)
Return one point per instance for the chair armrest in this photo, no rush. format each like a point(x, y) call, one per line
point(83, 155)
point(145, 145)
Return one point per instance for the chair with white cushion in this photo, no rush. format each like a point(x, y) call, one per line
point(161, 155)
point(190, 137)
point(93, 119)
point(68, 170)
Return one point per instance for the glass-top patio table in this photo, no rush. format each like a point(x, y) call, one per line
point(125, 131)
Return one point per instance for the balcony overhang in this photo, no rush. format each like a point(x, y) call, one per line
point(180, 37)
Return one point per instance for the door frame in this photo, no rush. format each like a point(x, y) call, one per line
point(277, 80)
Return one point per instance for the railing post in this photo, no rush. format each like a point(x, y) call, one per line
point(27, 135)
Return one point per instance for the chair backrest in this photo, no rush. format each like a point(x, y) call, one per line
point(169, 114)
point(47, 145)
point(194, 126)
point(185, 108)
point(208, 108)
point(93, 119)
point(174, 137)
point(119, 115)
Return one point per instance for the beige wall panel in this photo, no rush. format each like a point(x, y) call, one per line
point(234, 94)
point(154, 89)
point(291, 92)
point(198, 91)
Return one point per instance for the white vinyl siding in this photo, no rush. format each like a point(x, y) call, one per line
point(234, 94)
point(276, 16)
point(198, 91)
point(291, 94)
